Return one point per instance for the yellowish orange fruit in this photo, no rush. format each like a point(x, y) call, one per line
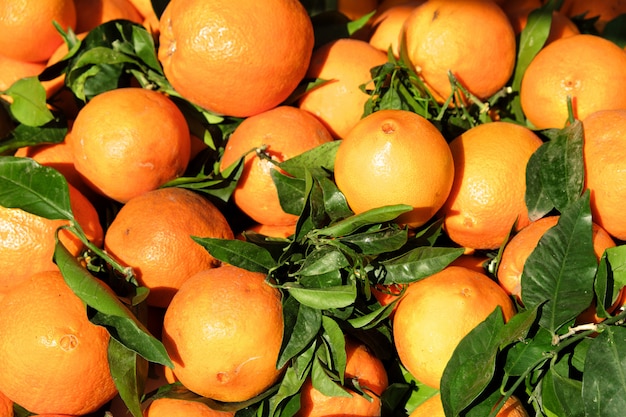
point(433, 407)
point(171, 407)
point(395, 157)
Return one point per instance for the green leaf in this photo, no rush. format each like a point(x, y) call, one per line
point(34, 188)
point(374, 242)
point(537, 199)
point(143, 45)
point(302, 324)
point(322, 381)
point(353, 223)
point(125, 367)
point(317, 160)
point(334, 202)
point(29, 102)
point(324, 298)
point(517, 327)
point(237, 252)
point(562, 168)
point(472, 365)
point(24, 135)
point(615, 31)
point(335, 340)
point(560, 395)
point(323, 260)
point(418, 263)
point(110, 311)
point(559, 273)
point(604, 376)
point(528, 354)
point(292, 192)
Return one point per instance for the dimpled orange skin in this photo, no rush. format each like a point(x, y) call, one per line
point(473, 39)
point(129, 141)
point(236, 58)
point(395, 157)
point(587, 68)
point(488, 195)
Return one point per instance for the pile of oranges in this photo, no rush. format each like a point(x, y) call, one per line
point(246, 86)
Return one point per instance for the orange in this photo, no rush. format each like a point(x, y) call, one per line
point(604, 151)
point(473, 39)
point(587, 68)
point(55, 358)
point(152, 234)
point(285, 132)
point(388, 25)
point(603, 10)
point(525, 241)
point(433, 407)
point(472, 261)
point(395, 157)
point(12, 70)
point(561, 26)
point(437, 312)
point(362, 367)
point(488, 195)
point(150, 19)
point(272, 230)
point(235, 57)
point(129, 141)
point(27, 241)
point(223, 331)
point(27, 32)
point(170, 407)
point(355, 9)
point(345, 64)
point(92, 13)
point(6, 406)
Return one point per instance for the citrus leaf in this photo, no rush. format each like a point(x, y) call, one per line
point(125, 366)
point(335, 204)
point(537, 200)
point(292, 192)
point(34, 188)
point(29, 102)
point(302, 324)
point(237, 252)
point(369, 217)
point(522, 357)
point(110, 311)
point(418, 263)
point(323, 260)
point(291, 382)
point(335, 340)
point(604, 376)
point(472, 365)
point(143, 46)
point(322, 381)
point(320, 158)
point(24, 135)
point(561, 395)
point(374, 242)
point(559, 273)
point(323, 298)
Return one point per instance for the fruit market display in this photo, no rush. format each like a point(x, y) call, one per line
point(297, 208)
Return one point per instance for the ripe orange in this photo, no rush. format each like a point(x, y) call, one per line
point(272, 230)
point(129, 141)
point(91, 13)
point(587, 68)
point(12, 70)
point(395, 157)
point(55, 358)
point(472, 261)
point(345, 64)
point(488, 195)
point(471, 38)
point(27, 241)
point(366, 370)
point(354, 9)
point(286, 132)
point(388, 25)
point(561, 27)
point(603, 10)
point(605, 170)
point(170, 407)
point(152, 234)
point(223, 331)
point(433, 407)
point(237, 58)
point(6, 406)
point(27, 32)
point(437, 312)
point(525, 241)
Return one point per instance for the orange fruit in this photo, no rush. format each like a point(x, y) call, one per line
point(525, 241)
point(27, 32)
point(605, 172)
point(237, 58)
point(388, 25)
point(270, 230)
point(355, 9)
point(129, 141)
point(366, 370)
point(603, 10)
point(472, 261)
point(433, 407)
point(223, 331)
point(395, 157)
point(6, 406)
point(150, 19)
point(170, 407)
point(488, 194)
point(345, 64)
point(443, 36)
point(92, 13)
point(152, 234)
point(12, 70)
point(55, 358)
point(561, 26)
point(25, 236)
point(286, 132)
point(587, 68)
point(435, 313)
